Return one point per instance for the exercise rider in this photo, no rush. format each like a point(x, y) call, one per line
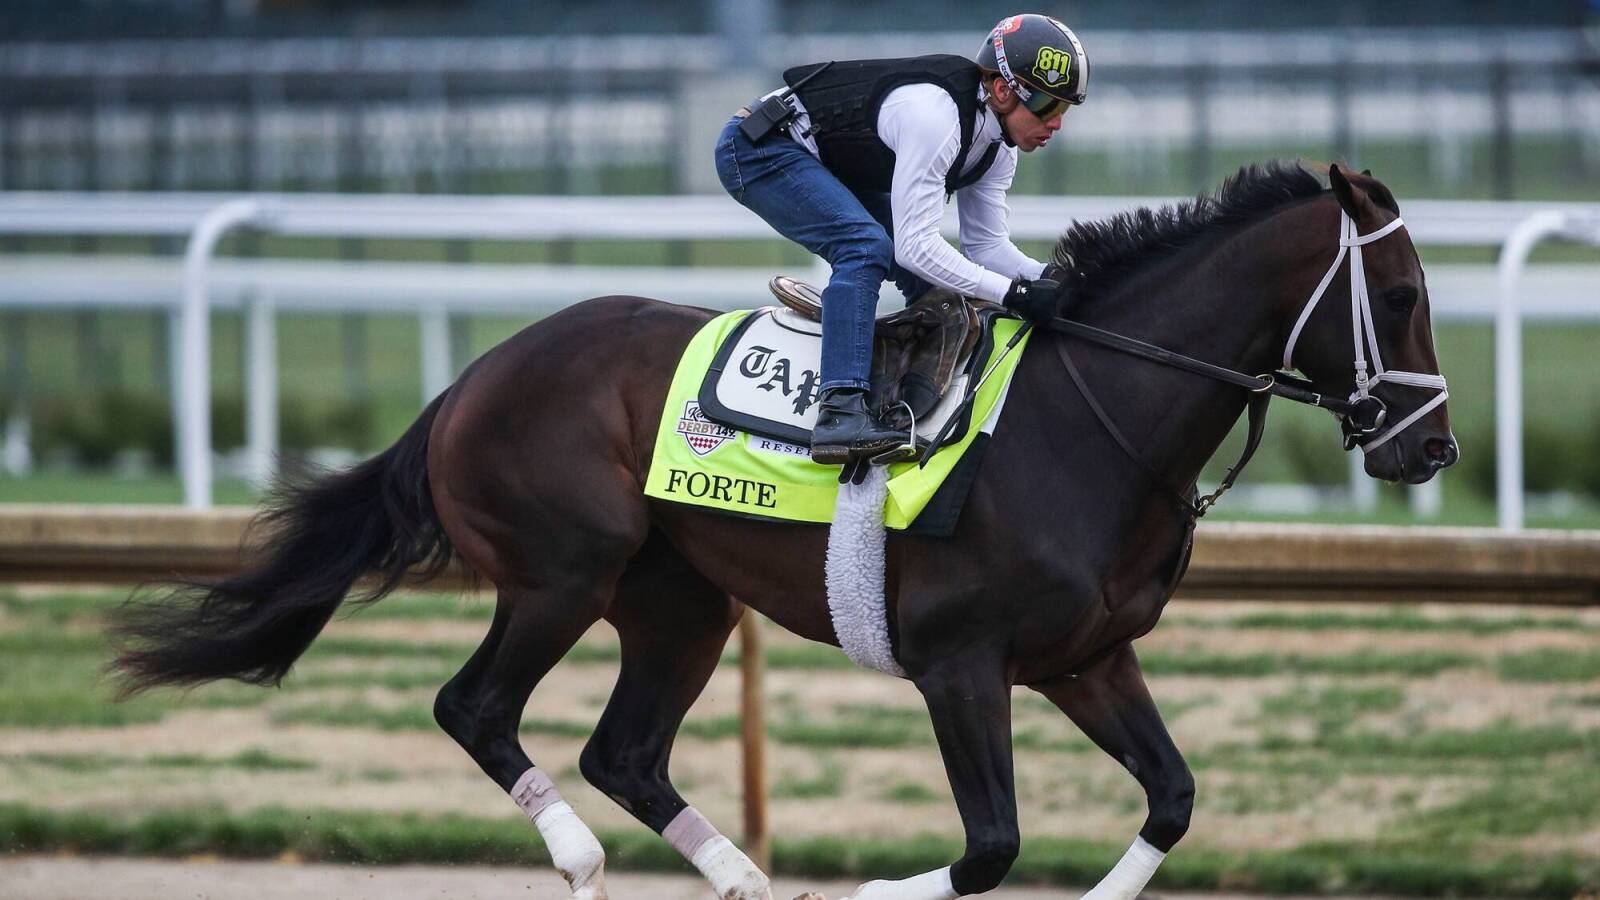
point(855, 159)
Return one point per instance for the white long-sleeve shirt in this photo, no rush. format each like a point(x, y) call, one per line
point(920, 123)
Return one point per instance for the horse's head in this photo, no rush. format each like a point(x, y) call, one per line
point(1366, 333)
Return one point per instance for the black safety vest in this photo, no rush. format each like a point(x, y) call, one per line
point(843, 102)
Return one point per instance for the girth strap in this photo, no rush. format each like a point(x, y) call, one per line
point(1259, 399)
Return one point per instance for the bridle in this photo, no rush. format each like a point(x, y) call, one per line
point(1368, 412)
point(1362, 414)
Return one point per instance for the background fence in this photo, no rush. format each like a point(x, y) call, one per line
point(1502, 113)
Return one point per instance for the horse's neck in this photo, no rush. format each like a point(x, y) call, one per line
point(1228, 308)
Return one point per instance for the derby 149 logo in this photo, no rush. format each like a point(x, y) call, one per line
point(1053, 67)
point(700, 433)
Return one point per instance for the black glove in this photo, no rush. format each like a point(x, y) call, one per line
point(1036, 300)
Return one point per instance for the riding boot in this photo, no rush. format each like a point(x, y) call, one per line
point(846, 430)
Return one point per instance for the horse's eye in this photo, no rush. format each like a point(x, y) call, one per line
point(1401, 299)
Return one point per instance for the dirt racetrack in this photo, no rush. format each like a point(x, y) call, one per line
point(65, 878)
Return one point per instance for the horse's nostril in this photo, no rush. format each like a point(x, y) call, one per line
point(1440, 452)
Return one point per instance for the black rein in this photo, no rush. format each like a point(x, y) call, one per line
point(1280, 383)
point(1262, 388)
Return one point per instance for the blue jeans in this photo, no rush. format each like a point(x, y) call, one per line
point(789, 188)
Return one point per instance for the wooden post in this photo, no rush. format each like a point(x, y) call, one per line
point(752, 714)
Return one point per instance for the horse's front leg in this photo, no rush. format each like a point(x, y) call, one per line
point(1113, 707)
point(969, 700)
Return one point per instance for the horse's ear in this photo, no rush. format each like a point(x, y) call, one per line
point(1367, 172)
point(1343, 191)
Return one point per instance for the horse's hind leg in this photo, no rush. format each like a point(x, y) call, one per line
point(1111, 704)
point(481, 708)
point(673, 625)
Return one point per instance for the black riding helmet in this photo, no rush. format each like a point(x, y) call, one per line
point(1041, 59)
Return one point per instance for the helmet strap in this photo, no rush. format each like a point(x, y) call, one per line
point(993, 104)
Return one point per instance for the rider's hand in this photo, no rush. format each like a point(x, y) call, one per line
point(1036, 300)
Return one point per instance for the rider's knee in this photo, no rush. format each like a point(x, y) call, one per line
point(881, 248)
point(870, 250)
point(987, 861)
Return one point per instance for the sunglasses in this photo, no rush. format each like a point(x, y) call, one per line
point(1045, 106)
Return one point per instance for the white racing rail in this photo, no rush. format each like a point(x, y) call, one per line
point(1573, 225)
point(204, 219)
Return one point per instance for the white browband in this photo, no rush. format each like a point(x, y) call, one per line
point(1361, 323)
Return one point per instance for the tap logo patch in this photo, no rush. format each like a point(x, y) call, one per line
point(700, 433)
point(1053, 67)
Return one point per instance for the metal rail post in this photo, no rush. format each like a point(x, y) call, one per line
point(261, 392)
point(193, 348)
point(434, 325)
point(1508, 349)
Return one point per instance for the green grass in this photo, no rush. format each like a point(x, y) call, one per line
point(798, 656)
point(712, 729)
point(393, 679)
point(358, 714)
point(1396, 618)
point(355, 714)
point(1340, 701)
point(847, 731)
point(1551, 664)
point(1259, 665)
point(827, 782)
point(63, 486)
point(1331, 709)
point(407, 606)
point(252, 760)
point(911, 793)
point(1502, 741)
point(1267, 795)
point(1512, 806)
point(52, 679)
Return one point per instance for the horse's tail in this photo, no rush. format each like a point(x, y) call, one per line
point(321, 533)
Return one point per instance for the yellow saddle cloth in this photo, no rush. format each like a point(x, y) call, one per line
point(705, 463)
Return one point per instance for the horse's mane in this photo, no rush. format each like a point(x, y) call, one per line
point(1097, 255)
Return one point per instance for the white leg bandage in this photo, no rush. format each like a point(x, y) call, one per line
point(574, 850)
point(933, 885)
point(1130, 875)
point(732, 875)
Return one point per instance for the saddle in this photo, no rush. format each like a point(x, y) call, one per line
point(916, 351)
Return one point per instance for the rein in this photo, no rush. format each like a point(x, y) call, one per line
point(1262, 390)
point(1362, 411)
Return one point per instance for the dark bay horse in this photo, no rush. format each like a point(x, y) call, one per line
point(530, 469)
